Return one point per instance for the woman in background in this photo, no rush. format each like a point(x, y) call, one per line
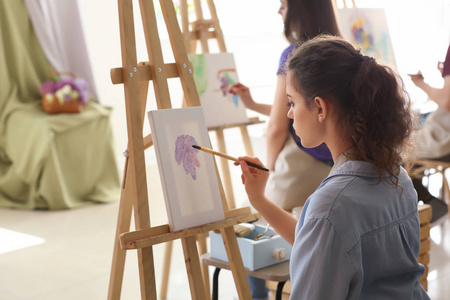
point(434, 137)
point(303, 19)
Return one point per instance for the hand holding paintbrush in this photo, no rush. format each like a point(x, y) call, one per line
point(246, 97)
point(253, 179)
point(229, 157)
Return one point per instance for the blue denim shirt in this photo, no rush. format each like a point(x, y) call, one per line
point(358, 238)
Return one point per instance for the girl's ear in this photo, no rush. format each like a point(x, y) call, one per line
point(321, 108)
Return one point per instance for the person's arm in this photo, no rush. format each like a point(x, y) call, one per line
point(439, 95)
point(255, 183)
point(278, 127)
point(244, 93)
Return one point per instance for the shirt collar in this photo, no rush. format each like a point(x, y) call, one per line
point(343, 158)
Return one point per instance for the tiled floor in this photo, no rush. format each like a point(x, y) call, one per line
point(439, 272)
point(70, 252)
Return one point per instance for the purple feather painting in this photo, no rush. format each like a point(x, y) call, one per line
point(188, 176)
point(186, 155)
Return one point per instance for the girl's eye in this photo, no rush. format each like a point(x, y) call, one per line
point(290, 104)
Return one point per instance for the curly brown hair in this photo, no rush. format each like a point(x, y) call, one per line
point(374, 109)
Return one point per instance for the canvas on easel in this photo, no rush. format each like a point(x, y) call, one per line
point(214, 74)
point(368, 28)
point(188, 177)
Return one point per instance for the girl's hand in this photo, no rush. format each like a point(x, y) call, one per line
point(254, 179)
point(417, 79)
point(244, 93)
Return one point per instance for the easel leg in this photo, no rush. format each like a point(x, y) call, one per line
point(201, 31)
point(166, 269)
point(217, 29)
point(147, 273)
point(119, 255)
point(226, 177)
point(236, 264)
point(202, 249)
point(246, 140)
point(193, 268)
point(445, 188)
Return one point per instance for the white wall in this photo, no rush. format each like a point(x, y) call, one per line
point(420, 32)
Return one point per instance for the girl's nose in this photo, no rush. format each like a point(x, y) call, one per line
point(290, 113)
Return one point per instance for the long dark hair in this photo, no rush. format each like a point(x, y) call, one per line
point(373, 107)
point(306, 19)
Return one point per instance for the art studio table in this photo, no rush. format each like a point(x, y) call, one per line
point(278, 273)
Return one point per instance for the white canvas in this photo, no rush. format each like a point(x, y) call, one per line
point(214, 73)
point(188, 176)
point(368, 28)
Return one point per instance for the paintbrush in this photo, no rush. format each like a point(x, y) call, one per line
point(229, 157)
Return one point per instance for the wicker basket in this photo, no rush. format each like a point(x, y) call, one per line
point(51, 104)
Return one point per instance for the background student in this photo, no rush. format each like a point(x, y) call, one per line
point(303, 19)
point(434, 136)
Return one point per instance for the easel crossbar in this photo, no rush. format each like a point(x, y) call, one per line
point(156, 235)
point(251, 121)
point(144, 72)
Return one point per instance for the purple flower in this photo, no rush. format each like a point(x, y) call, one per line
point(65, 85)
point(80, 84)
point(65, 81)
point(82, 87)
point(47, 87)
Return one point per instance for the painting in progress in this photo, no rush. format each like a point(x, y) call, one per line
point(368, 28)
point(214, 73)
point(188, 176)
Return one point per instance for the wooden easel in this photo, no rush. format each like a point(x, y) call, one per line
point(344, 3)
point(134, 196)
point(201, 31)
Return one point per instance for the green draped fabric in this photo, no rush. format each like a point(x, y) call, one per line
point(47, 161)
